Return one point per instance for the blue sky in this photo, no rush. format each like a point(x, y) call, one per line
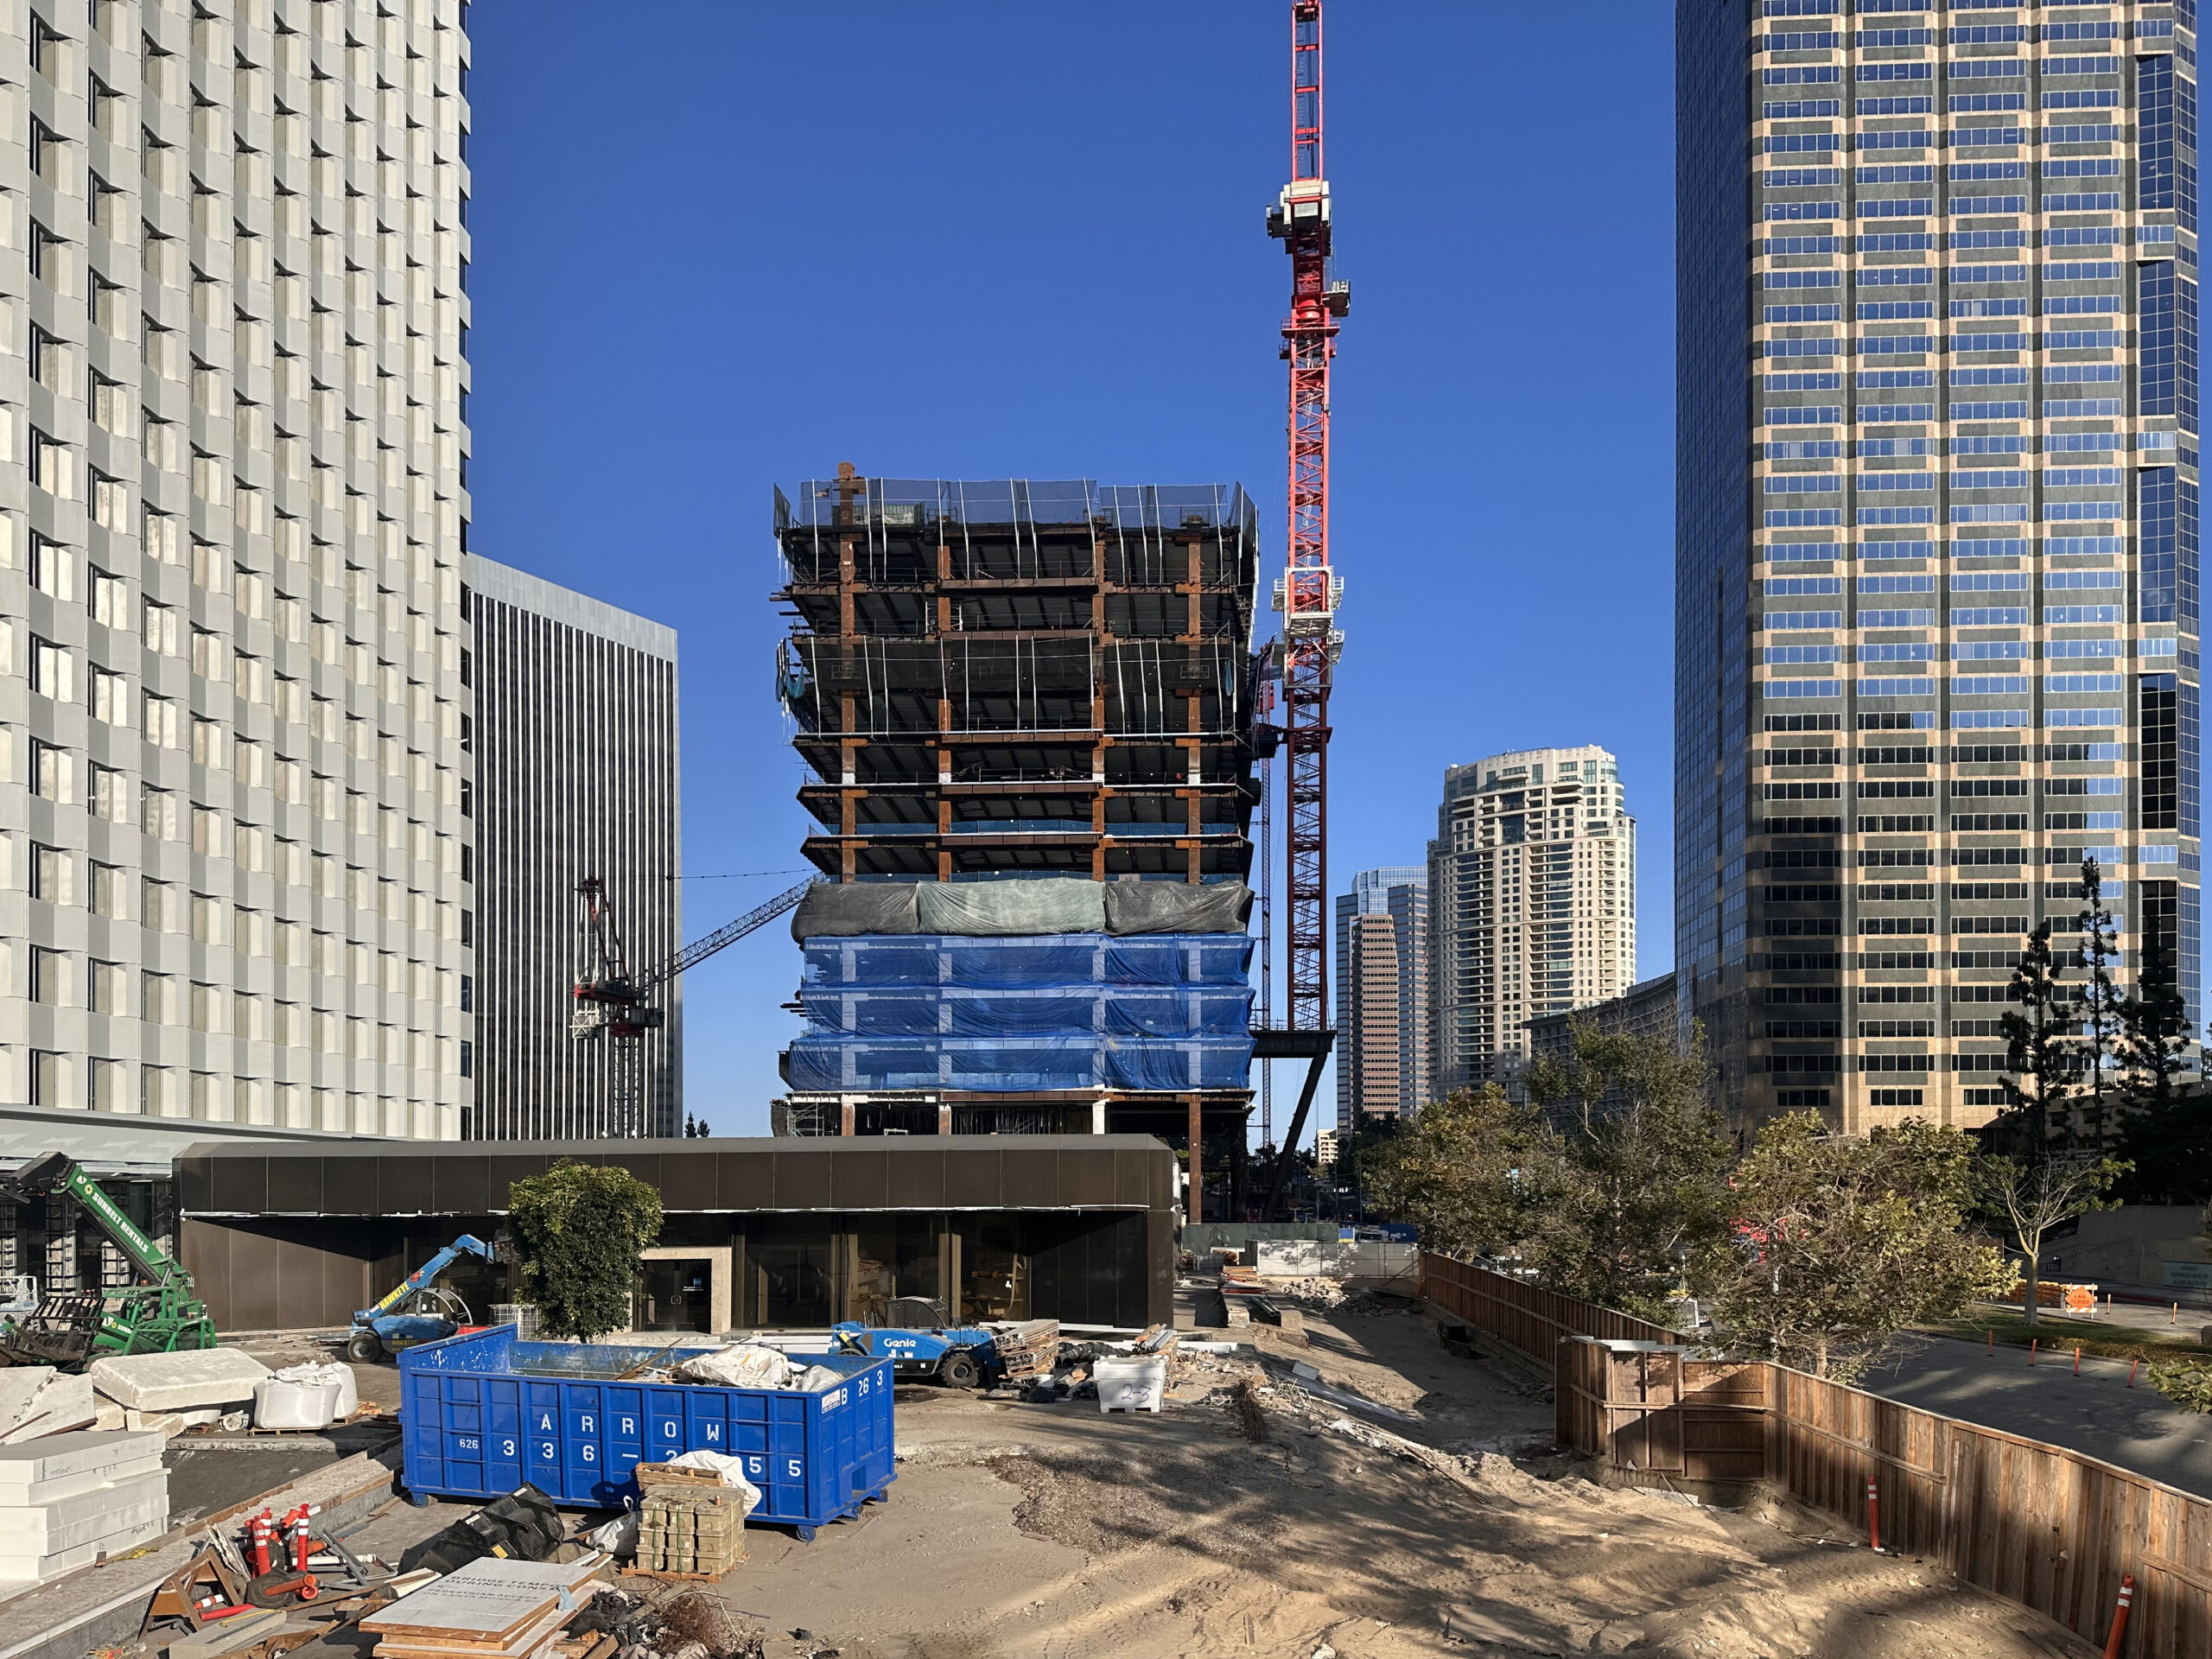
point(982, 240)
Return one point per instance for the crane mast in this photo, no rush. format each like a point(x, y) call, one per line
point(610, 1001)
point(1310, 590)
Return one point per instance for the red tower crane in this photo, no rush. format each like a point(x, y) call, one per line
point(1310, 590)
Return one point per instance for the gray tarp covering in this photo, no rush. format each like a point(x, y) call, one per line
point(1176, 907)
point(862, 907)
point(1049, 904)
point(1046, 904)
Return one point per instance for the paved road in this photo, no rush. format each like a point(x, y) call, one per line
point(2095, 1413)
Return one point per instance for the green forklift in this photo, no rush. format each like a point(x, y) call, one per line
point(161, 1314)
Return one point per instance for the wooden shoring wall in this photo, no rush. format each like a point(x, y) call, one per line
point(1524, 1316)
point(2040, 1524)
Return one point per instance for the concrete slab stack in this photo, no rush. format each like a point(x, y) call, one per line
point(68, 1500)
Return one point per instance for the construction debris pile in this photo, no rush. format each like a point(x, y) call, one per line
point(1075, 1371)
point(693, 1625)
point(234, 1595)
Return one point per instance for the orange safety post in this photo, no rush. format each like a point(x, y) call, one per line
point(2119, 1616)
point(2032, 1341)
point(2131, 1365)
point(1873, 1517)
point(1993, 1341)
point(2077, 1359)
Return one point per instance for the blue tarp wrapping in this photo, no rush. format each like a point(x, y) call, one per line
point(1166, 1011)
point(1048, 959)
point(841, 1065)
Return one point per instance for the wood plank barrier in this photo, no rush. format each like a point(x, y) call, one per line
point(1523, 1315)
point(2047, 1527)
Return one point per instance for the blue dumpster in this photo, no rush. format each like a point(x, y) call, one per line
point(482, 1412)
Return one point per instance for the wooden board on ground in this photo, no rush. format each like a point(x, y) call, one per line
point(481, 1606)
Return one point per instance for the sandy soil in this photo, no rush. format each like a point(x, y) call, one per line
point(1253, 1518)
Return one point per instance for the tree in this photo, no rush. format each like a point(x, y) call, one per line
point(1842, 1243)
point(2037, 1057)
point(1641, 1181)
point(2032, 1197)
point(579, 1229)
point(2100, 998)
point(2168, 1152)
point(1468, 1171)
point(1358, 1150)
point(2154, 1025)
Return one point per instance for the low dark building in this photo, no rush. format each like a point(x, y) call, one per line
point(759, 1233)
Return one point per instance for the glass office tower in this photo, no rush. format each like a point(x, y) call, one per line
point(1937, 499)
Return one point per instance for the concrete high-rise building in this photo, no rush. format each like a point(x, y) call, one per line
point(1936, 585)
point(1532, 904)
point(576, 775)
point(1383, 995)
point(233, 795)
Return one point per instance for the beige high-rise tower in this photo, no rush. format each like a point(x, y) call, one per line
point(235, 847)
point(1532, 903)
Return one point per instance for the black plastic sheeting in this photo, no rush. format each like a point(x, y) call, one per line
point(830, 911)
point(1177, 907)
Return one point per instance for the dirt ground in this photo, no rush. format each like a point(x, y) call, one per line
point(1252, 1516)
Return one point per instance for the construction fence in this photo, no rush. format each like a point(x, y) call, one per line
point(2044, 1526)
point(1522, 1316)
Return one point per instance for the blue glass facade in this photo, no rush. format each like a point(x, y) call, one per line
point(1936, 595)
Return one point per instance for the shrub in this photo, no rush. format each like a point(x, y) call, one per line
point(580, 1228)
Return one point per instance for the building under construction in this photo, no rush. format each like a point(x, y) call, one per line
point(1000, 680)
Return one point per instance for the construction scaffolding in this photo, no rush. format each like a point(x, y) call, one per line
point(1016, 678)
point(1020, 677)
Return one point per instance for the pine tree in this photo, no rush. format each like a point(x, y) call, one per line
point(2167, 1136)
point(2036, 1053)
point(2154, 1026)
point(2100, 1000)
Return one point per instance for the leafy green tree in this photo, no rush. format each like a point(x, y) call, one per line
point(2030, 1199)
point(1364, 1143)
point(2040, 1065)
point(579, 1229)
point(2100, 1016)
point(1470, 1172)
point(1641, 1180)
point(1843, 1242)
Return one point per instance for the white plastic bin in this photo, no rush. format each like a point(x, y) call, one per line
point(1130, 1384)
